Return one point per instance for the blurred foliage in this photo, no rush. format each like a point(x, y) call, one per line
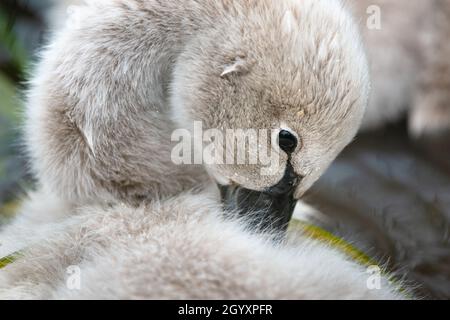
point(20, 29)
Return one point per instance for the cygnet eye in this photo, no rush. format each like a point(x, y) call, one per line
point(287, 141)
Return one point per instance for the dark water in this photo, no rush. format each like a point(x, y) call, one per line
point(391, 197)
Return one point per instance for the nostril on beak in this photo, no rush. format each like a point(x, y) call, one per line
point(287, 184)
point(270, 209)
point(287, 141)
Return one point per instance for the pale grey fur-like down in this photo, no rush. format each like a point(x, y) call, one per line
point(179, 248)
point(409, 61)
point(122, 75)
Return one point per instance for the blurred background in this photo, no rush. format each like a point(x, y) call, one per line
point(387, 194)
point(21, 32)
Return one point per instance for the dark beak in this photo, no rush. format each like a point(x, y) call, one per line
point(268, 210)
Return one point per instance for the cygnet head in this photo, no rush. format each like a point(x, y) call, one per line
point(293, 69)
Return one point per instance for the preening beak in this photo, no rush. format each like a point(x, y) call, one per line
point(270, 209)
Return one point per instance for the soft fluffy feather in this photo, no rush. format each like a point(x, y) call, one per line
point(409, 62)
point(111, 89)
point(178, 249)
